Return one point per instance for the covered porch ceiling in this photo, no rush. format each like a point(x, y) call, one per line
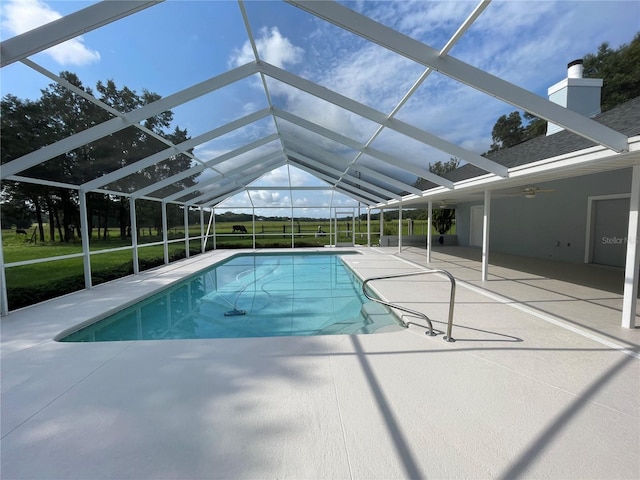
point(271, 134)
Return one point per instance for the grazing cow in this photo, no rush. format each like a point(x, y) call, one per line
point(239, 228)
point(20, 230)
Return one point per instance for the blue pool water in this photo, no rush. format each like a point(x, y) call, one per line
point(250, 296)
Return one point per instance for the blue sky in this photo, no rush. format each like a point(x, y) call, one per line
point(176, 44)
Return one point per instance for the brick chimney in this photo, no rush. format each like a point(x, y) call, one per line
point(579, 94)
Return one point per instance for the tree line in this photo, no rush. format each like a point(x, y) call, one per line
point(28, 125)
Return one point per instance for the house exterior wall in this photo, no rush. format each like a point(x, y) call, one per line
point(553, 225)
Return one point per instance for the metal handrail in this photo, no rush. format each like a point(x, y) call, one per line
point(430, 331)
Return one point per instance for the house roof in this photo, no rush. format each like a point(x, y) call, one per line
point(353, 167)
point(624, 118)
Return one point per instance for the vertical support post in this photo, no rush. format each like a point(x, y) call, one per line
point(185, 210)
point(368, 227)
point(400, 228)
point(381, 224)
point(134, 235)
point(84, 235)
point(4, 300)
point(353, 225)
point(213, 213)
point(253, 226)
point(331, 229)
point(293, 244)
point(429, 223)
point(486, 220)
point(632, 263)
point(203, 242)
point(165, 233)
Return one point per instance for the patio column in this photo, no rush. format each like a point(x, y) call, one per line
point(134, 235)
point(368, 227)
point(381, 224)
point(253, 226)
point(485, 235)
point(213, 214)
point(84, 235)
point(632, 264)
point(185, 210)
point(4, 301)
point(203, 244)
point(165, 233)
point(429, 223)
point(400, 228)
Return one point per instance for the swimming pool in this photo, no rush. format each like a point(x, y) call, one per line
point(251, 295)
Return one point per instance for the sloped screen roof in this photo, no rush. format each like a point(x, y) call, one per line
point(283, 99)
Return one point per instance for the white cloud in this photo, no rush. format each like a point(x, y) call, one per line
point(272, 47)
point(19, 16)
point(521, 42)
point(268, 198)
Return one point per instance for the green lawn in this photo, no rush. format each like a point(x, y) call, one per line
point(30, 284)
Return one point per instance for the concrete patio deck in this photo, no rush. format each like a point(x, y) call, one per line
point(542, 382)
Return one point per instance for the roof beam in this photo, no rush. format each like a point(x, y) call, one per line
point(348, 142)
point(448, 46)
point(68, 27)
point(386, 179)
point(228, 175)
point(228, 194)
point(382, 119)
point(335, 171)
point(175, 150)
point(116, 124)
point(41, 181)
point(199, 168)
point(210, 201)
point(275, 158)
point(345, 189)
point(464, 73)
point(279, 189)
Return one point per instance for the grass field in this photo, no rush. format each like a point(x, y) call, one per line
point(32, 283)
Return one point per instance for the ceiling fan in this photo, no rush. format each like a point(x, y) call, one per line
point(446, 204)
point(531, 191)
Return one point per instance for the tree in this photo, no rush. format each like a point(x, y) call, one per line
point(29, 125)
point(442, 218)
point(507, 132)
point(620, 70)
point(26, 126)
